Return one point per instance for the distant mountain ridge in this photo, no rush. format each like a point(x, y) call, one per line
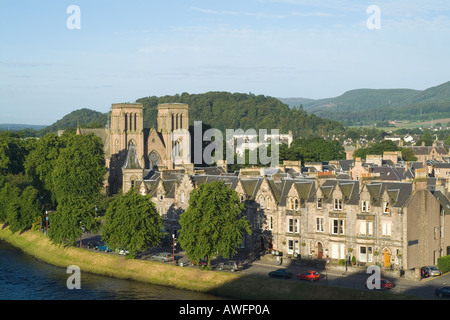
point(18, 127)
point(372, 105)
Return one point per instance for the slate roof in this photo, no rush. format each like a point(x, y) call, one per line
point(398, 192)
point(251, 186)
point(388, 173)
point(443, 201)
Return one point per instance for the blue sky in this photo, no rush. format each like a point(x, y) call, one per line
point(125, 50)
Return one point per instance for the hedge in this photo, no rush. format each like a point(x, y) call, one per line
point(444, 264)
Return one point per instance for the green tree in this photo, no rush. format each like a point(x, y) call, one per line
point(213, 224)
point(40, 163)
point(24, 209)
point(9, 196)
point(427, 138)
point(408, 154)
point(314, 149)
point(74, 216)
point(132, 222)
point(13, 152)
point(378, 148)
point(80, 168)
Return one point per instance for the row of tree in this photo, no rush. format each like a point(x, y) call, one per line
point(38, 175)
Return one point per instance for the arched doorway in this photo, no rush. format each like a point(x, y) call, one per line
point(319, 250)
point(386, 258)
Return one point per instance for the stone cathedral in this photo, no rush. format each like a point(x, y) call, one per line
point(132, 152)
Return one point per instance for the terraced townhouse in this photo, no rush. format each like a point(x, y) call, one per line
point(400, 225)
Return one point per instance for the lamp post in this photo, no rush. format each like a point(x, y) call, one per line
point(326, 267)
point(46, 222)
point(173, 246)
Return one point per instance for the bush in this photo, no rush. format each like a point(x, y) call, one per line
point(444, 264)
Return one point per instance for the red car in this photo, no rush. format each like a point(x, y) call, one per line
point(309, 275)
point(385, 284)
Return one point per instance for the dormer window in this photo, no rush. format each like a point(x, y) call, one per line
point(337, 204)
point(296, 204)
point(319, 203)
point(364, 206)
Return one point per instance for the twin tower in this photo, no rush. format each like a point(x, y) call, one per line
point(133, 147)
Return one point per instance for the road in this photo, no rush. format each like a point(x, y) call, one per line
point(423, 289)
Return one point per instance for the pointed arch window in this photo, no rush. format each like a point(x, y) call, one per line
point(296, 204)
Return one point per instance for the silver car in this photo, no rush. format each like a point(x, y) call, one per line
point(163, 256)
point(434, 272)
point(430, 271)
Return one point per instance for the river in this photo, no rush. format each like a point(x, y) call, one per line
point(23, 277)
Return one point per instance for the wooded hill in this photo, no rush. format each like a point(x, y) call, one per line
point(224, 110)
point(220, 110)
point(367, 106)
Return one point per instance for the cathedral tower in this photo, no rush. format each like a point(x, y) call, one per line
point(127, 128)
point(173, 127)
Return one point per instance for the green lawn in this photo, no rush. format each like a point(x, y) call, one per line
point(230, 285)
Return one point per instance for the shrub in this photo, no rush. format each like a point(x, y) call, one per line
point(444, 264)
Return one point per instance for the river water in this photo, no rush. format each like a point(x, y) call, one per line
point(23, 277)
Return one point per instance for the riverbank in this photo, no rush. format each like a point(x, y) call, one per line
point(223, 284)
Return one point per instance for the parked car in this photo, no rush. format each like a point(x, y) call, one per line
point(385, 285)
point(92, 245)
point(442, 292)
point(122, 251)
point(163, 256)
point(429, 271)
point(230, 265)
point(103, 247)
point(309, 275)
point(200, 263)
point(281, 273)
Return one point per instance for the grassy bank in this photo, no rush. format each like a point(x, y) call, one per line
point(223, 284)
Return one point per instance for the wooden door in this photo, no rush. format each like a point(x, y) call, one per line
point(319, 251)
point(387, 259)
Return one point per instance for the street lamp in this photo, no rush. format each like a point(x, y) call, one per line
point(326, 267)
point(174, 236)
point(46, 222)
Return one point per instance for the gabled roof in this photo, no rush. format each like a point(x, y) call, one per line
point(305, 188)
point(230, 181)
point(398, 192)
point(251, 186)
point(443, 201)
point(132, 160)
